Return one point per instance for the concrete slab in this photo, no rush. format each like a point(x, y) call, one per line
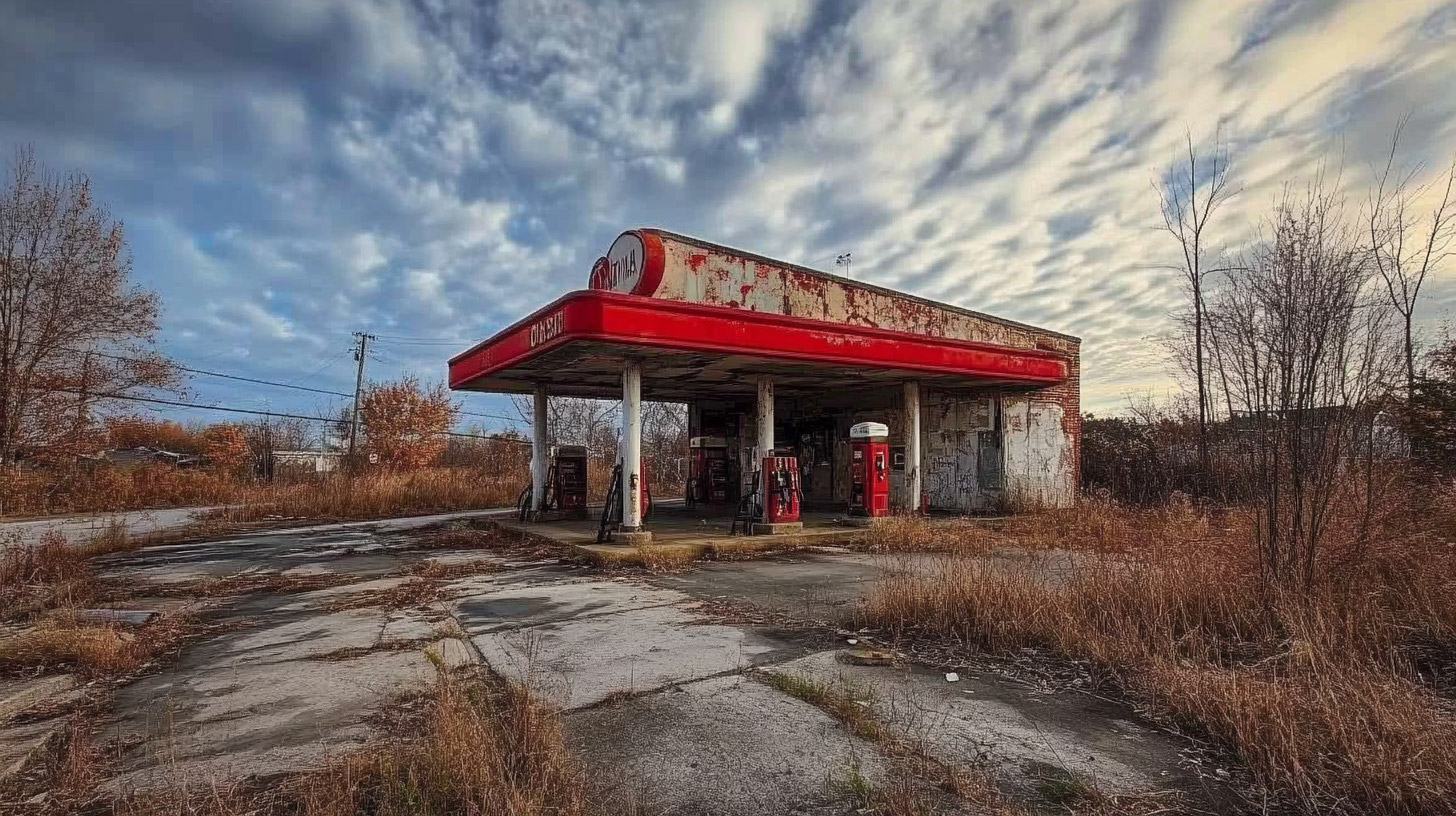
point(300, 638)
point(493, 603)
point(209, 723)
point(585, 660)
point(258, 700)
point(452, 653)
point(811, 586)
point(20, 694)
point(726, 745)
point(19, 742)
point(127, 617)
point(320, 598)
point(1023, 732)
point(675, 523)
point(408, 626)
point(83, 528)
point(776, 529)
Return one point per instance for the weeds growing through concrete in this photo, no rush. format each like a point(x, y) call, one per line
point(49, 575)
point(483, 746)
point(63, 641)
point(1337, 698)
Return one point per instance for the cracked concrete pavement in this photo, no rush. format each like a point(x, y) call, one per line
point(660, 691)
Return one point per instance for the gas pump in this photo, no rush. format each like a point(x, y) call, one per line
point(570, 479)
point(612, 508)
point(708, 475)
point(780, 487)
point(869, 469)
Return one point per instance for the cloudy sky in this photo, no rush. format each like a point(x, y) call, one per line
point(290, 171)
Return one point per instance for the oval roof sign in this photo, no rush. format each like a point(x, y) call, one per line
point(633, 264)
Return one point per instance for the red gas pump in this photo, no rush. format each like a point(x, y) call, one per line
point(570, 475)
point(869, 469)
point(708, 474)
point(780, 489)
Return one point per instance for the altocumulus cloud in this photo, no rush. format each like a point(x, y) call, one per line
point(290, 172)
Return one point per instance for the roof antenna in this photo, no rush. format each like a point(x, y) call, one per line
point(843, 260)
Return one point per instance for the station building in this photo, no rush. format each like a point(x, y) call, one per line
point(777, 359)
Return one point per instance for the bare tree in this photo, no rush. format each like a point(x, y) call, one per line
point(74, 331)
point(1188, 200)
point(595, 423)
point(665, 442)
point(1404, 246)
point(1309, 354)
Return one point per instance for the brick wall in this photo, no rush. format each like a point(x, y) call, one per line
point(1069, 395)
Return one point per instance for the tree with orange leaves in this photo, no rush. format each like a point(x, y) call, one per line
point(225, 447)
point(405, 423)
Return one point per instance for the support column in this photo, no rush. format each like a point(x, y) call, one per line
point(765, 417)
point(765, 448)
point(765, 420)
point(540, 449)
point(912, 445)
point(632, 447)
point(695, 424)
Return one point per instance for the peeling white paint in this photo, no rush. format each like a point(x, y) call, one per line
point(1038, 454)
point(718, 276)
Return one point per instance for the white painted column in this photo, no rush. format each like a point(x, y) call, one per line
point(540, 448)
point(632, 446)
point(912, 445)
point(765, 422)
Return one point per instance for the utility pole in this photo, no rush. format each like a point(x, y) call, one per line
point(78, 431)
point(363, 339)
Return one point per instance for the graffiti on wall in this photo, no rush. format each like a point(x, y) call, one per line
point(954, 473)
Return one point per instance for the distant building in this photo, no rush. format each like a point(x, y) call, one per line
point(141, 455)
point(307, 461)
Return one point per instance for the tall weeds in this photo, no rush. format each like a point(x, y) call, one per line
point(376, 495)
point(47, 575)
point(377, 492)
point(1336, 697)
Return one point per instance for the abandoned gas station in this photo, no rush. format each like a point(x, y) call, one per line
point(811, 397)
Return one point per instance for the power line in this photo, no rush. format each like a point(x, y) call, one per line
point(260, 382)
point(201, 371)
point(257, 412)
point(452, 343)
point(274, 383)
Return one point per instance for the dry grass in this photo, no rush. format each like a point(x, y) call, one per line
point(62, 641)
point(378, 494)
point(484, 534)
point(920, 534)
point(482, 747)
point(49, 575)
point(64, 771)
point(1095, 526)
point(1331, 696)
point(667, 557)
point(411, 594)
point(437, 570)
point(110, 489)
